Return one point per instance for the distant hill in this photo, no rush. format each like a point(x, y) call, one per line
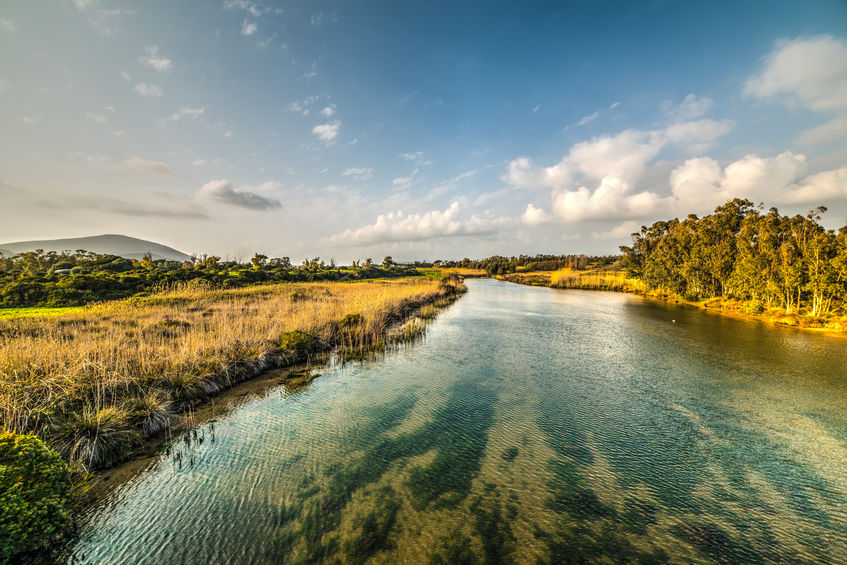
point(108, 244)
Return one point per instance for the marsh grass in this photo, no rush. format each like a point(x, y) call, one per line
point(94, 381)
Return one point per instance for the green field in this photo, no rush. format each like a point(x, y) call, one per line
point(37, 311)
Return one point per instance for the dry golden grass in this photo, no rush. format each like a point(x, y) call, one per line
point(595, 280)
point(464, 272)
point(179, 346)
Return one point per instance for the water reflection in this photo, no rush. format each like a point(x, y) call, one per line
point(530, 425)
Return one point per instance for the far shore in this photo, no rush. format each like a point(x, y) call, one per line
point(616, 281)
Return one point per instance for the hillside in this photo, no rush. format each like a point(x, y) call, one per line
point(110, 244)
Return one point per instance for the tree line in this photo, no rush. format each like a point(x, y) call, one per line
point(52, 279)
point(742, 252)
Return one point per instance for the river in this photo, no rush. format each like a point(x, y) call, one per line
point(528, 425)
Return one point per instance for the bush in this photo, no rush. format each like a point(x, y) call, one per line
point(35, 491)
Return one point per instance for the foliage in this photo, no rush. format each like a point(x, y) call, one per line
point(35, 491)
point(50, 279)
point(739, 252)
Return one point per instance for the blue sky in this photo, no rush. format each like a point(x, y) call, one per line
point(417, 130)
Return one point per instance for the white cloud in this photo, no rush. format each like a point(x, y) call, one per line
point(701, 183)
point(248, 28)
point(535, 216)
point(328, 111)
point(97, 118)
point(327, 132)
point(7, 25)
point(691, 108)
point(614, 105)
point(399, 226)
point(32, 120)
point(536, 108)
point(312, 72)
point(584, 120)
point(416, 156)
point(621, 231)
point(813, 71)
point(222, 191)
point(4, 85)
point(150, 90)
point(126, 76)
point(833, 130)
point(403, 182)
point(139, 165)
point(195, 113)
point(361, 173)
point(105, 20)
point(248, 7)
point(302, 106)
point(156, 62)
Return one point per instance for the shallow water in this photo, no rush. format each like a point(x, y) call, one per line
point(529, 425)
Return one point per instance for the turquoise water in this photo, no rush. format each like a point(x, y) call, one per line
point(529, 425)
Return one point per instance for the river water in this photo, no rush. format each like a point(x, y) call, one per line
point(529, 425)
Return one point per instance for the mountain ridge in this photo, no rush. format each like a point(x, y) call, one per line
point(107, 244)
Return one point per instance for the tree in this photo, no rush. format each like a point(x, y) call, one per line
point(259, 260)
point(387, 262)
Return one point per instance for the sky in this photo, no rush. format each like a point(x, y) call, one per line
point(420, 130)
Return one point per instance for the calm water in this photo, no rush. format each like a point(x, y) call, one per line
point(529, 425)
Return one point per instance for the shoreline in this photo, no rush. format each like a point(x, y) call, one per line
point(724, 307)
point(256, 380)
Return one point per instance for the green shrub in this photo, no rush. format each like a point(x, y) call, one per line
point(35, 491)
point(298, 344)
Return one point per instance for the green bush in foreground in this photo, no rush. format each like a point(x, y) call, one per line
point(35, 492)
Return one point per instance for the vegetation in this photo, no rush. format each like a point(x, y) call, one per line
point(96, 382)
point(73, 279)
point(741, 253)
point(35, 493)
point(499, 265)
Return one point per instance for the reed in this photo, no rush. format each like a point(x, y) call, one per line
point(95, 381)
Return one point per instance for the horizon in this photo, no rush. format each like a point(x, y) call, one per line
point(421, 132)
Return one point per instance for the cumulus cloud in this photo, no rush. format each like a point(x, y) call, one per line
point(599, 179)
point(222, 191)
point(535, 216)
point(249, 7)
point(248, 27)
point(327, 132)
point(149, 90)
point(399, 226)
point(783, 178)
point(328, 111)
point(360, 173)
point(811, 72)
point(155, 61)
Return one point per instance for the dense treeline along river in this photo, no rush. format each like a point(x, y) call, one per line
point(530, 424)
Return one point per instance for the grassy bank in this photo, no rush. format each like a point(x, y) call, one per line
point(97, 382)
point(618, 281)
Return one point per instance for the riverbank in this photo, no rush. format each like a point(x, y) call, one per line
point(617, 281)
point(99, 384)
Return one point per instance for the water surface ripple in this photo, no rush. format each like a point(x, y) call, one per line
point(530, 425)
